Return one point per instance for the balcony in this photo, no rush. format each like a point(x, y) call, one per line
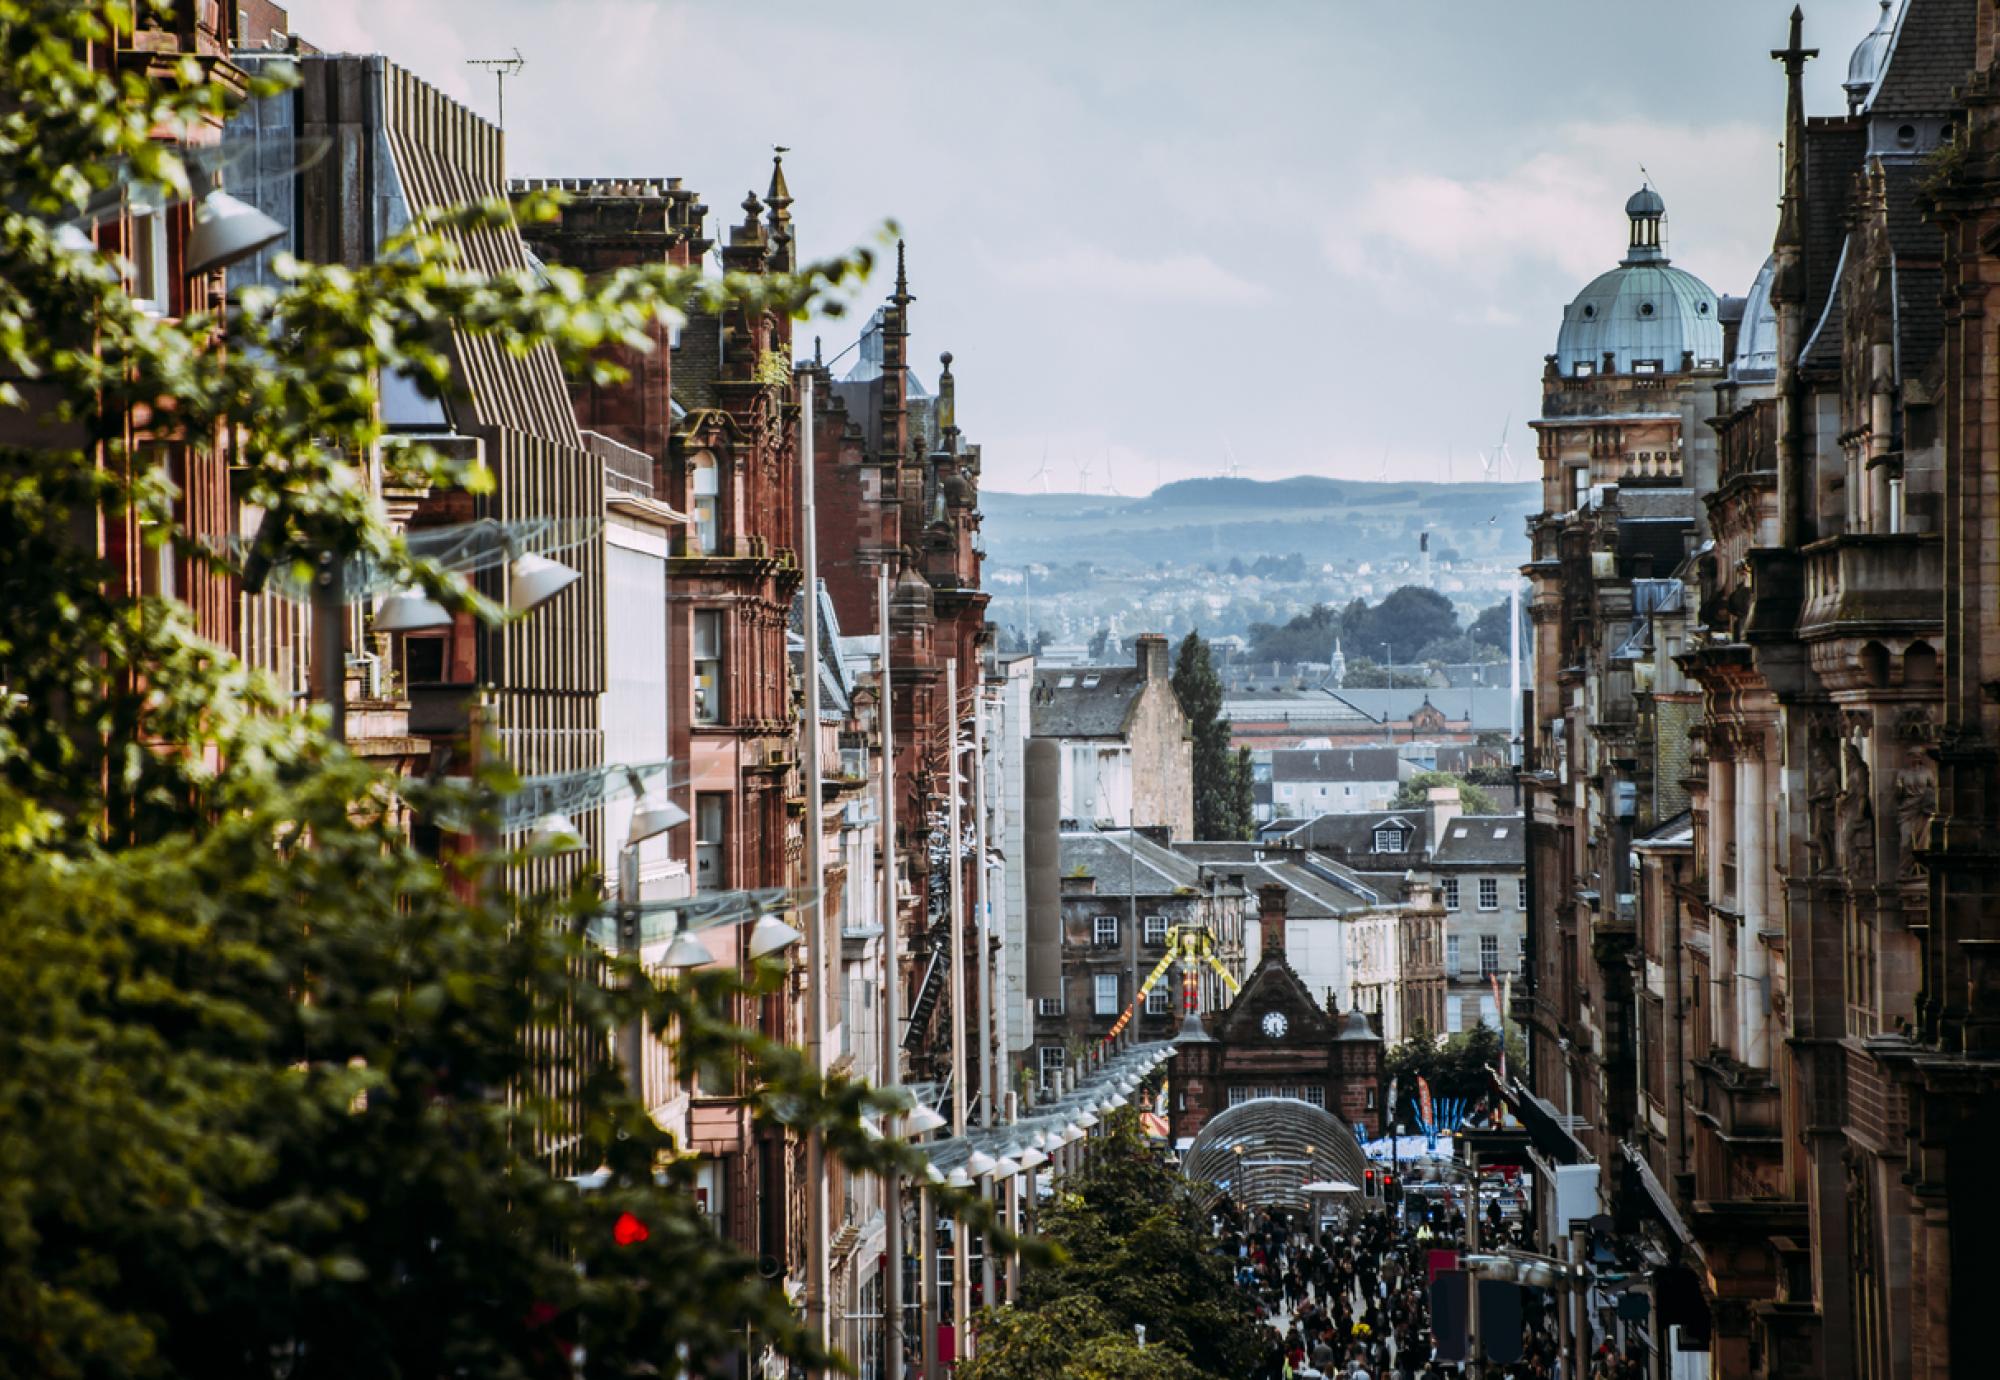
point(1863, 584)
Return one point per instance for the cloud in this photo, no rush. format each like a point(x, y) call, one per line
point(1560, 211)
point(1175, 279)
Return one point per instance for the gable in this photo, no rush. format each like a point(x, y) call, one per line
point(1272, 985)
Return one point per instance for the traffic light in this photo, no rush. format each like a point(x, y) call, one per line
point(1391, 1192)
point(1368, 1185)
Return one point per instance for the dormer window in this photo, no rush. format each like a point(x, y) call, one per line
point(1645, 366)
point(1584, 369)
point(1389, 840)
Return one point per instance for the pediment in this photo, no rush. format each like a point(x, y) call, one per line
point(1273, 986)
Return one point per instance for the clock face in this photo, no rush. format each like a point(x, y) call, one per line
point(1274, 1024)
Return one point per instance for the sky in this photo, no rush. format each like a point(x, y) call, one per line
point(1162, 237)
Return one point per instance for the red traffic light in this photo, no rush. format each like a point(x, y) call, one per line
point(629, 1230)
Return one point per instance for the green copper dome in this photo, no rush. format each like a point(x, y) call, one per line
point(1647, 315)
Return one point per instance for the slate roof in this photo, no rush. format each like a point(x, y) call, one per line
point(1118, 860)
point(1919, 247)
point(1677, 832)
point(1334, 764)
point(1833, 151)
point(1316, 887)
point(1482, 840)
point(1353, 833)
point(1930, 53)
point(1095, 702)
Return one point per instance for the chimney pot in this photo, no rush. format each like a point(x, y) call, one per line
point(1271, 918)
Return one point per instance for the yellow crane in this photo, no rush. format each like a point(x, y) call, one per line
point(1189, 946)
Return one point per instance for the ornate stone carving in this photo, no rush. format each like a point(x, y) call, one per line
point(1822, 797)
point(1857, 810)
point(1915, 725)
point(1916, 802)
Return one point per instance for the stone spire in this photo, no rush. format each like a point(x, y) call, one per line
point(1788, 287)
point(779, 198)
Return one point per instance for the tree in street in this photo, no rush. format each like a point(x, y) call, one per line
point(1134, 1251)
point(1415, 793)
point(267, 1076)
point(1221, 797)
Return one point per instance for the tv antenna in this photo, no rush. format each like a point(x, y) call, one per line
point(503, 68)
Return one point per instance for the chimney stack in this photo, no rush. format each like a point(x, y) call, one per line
point(1153, 657)
point(1271, 919)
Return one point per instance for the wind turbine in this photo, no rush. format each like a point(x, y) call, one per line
point(1042, 473)
point(1110, 484)
point(1083, 468)
point(1229, 466)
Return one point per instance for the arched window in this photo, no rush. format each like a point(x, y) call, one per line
point(704, 489)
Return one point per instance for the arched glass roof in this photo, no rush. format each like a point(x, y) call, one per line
point(1263, 1152)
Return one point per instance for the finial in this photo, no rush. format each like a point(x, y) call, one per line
point(817, 361)
point(945, 360)
point(751, 206)
point(902, 274)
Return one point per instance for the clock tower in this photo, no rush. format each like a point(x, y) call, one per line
point(1274, 1040)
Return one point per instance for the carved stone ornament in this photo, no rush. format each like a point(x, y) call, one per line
point(1857, 810)
point(1915, 725)
point(1822, 797)
point(1916, 803)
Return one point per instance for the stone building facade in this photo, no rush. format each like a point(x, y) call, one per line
point(1276, 1040)
point(1782, 1063)
point(1126, 755)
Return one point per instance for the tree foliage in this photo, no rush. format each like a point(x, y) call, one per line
point(1415, 793)
point(1452, 1065)
point(264, 1073)
point(1135, 1251)
point(1399, 629)
point(1221, 782)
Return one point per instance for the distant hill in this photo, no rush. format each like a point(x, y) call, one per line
point(1199, 520)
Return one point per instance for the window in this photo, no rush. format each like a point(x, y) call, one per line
point(1451, 893)
point(1489, 955)
point(1522, 946)
point(1104, 931)
point(1489, 893)
point(1106, 986)
point(1054, 1058)
point(1521, 893)
point(709, 813)
point(1388, 840)
point(1091, 681)
point(1451, 1016)
point(708, 666)
point(1238, 1096)
point(1584, 370)
point(704, 489)
point(1157, 1000)
point(1489, 1011)
point(1048, 1006)
point(1451, 955)
point(423, 660)
point(147, 250)
point(1371, 1099)
point(1156, 929)
point(1316, 1096)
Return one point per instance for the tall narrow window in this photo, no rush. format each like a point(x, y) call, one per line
point(1489, 893)
point(1521, 893)
point(1106, 994)
point(148, 253)
point(1157, 999)
point(1489, 955)
point(1451, 955)
point(704, 495)
point(1451, 893)
point(710, 866)
point(1156, 929)
point(708, 666)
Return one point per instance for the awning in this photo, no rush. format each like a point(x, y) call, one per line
point(1656, 1195)
point(1544, 1125)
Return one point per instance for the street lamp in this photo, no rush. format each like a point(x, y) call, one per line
point(770, 934)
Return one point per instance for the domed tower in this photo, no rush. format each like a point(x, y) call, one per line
point(1866, 65)
point(1644, 316)
point(1628, 390)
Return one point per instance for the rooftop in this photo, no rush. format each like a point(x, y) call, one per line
point(1486, 840)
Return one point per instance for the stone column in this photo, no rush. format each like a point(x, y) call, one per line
point(1753, 1021)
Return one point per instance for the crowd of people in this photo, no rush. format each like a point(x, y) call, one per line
point(1351, 1299)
